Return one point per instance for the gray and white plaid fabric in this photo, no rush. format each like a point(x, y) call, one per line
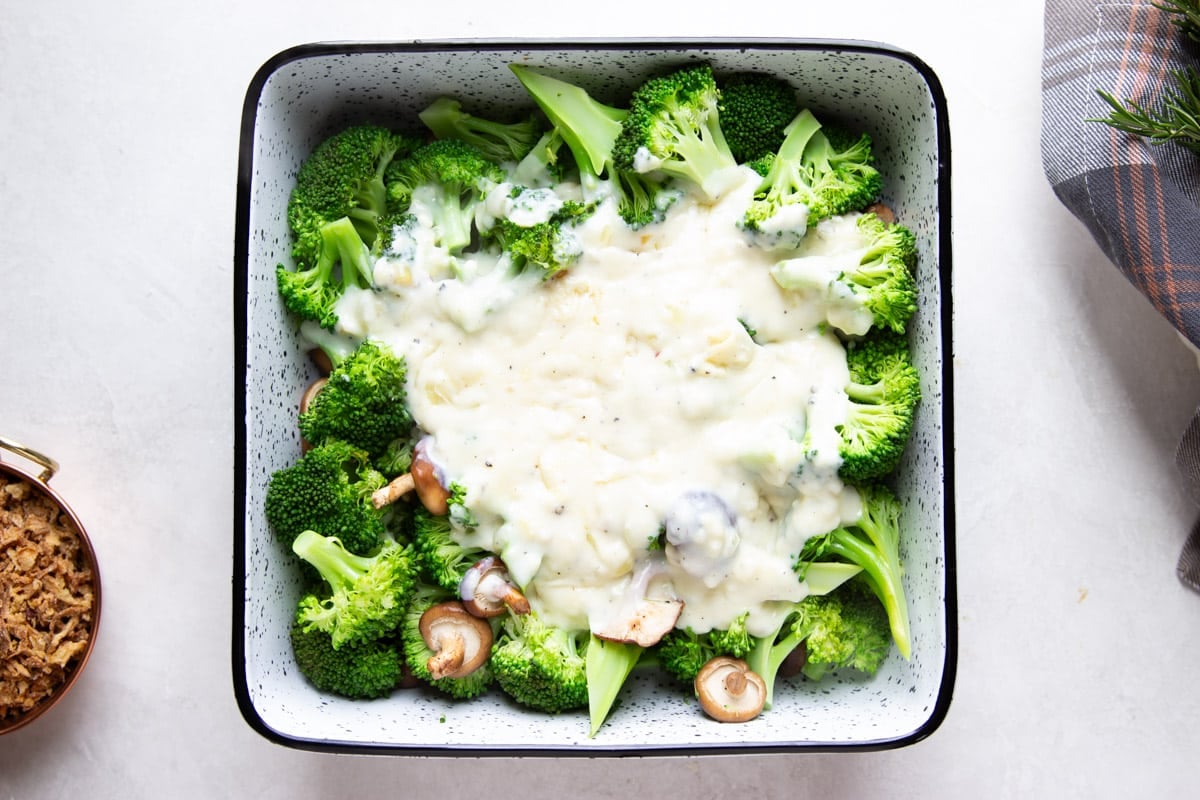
point(1141, 202)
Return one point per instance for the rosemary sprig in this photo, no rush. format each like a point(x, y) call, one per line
point(1186, 16)
point(1177, 121)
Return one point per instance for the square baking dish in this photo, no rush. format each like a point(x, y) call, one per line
point(305, 93)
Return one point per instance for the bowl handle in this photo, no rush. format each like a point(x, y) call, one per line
point(49, 465)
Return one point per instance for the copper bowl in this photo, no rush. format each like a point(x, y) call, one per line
point(39, 483)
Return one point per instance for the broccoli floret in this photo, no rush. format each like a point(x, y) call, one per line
point(813, 176)
point(544, 164)
point(498, 141)
point(673, 127)
point(845, 162)
point(590, 129)
point(396, 459)
point(884, 391)
point(873, 543)
point(417, 653)
point(442, 183)
point(550, 246)
point(682, 652)
point(873, 288)
point(755, 109)
point(843, 629)
point(847, 629)
point(328, 489)
point(363, 402)
point(362, 671)
point(443, 559)
point(344, 261)
point(343, 177)
point(333, 213)
point(539, 665)
point(364, 597)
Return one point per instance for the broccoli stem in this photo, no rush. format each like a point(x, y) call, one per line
point(588, 127)
point(607, 665)
point(883, 578)
point(341, 244)
point(339, 567)
point(768, 654)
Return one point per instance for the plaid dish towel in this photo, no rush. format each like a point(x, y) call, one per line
point(1141, 202)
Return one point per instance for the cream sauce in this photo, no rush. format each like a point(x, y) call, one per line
point(579, 411)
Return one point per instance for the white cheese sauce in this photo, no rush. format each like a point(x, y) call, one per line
point(582, 413)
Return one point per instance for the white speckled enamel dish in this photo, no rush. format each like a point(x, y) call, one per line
point(304, 94)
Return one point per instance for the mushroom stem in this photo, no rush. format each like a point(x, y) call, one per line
point(447, 655)
point(735, 683)
point(460, 642)
point(486, 591)
point(421, 477)
point(396, 489)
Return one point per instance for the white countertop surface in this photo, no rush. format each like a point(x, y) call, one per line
point(119, 125)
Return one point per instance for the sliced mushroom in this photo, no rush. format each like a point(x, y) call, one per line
point(460, 642)
point(421, 476)
point(306, 400)
point(487, 591)
point(729, 691)
point(639, 618)
point(321, 359)
point(793, 663)
point(311, 392)
point(884, 212)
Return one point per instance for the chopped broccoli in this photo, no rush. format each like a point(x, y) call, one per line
point(884, 391)
point(673, 127)
point(873, 543)
point(543, 165)
point(442, 183)
point(846, 628)
point(442, 558)
point(550, 246)
point(328, 489)
point(539, 665)
point(343, 177)
point(497, 141)
point(344, 262)
point(396, 459)
point(364, 597)
point(755, 109)
point(363, 402)
point(417, 653)
point(590, 130)
point(682, 652)
point(333, 213)
point(872, 286)
point(362, 671)
point(813, 175)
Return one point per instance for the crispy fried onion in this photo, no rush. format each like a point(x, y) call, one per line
point(46, 597)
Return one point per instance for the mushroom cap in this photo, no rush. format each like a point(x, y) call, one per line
point(645, 614)
point(460, 641)
point(429, 487)
point(729, 691)
point(486, 590)
point(306, 399)
point(649, 622)
point(311, 392)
